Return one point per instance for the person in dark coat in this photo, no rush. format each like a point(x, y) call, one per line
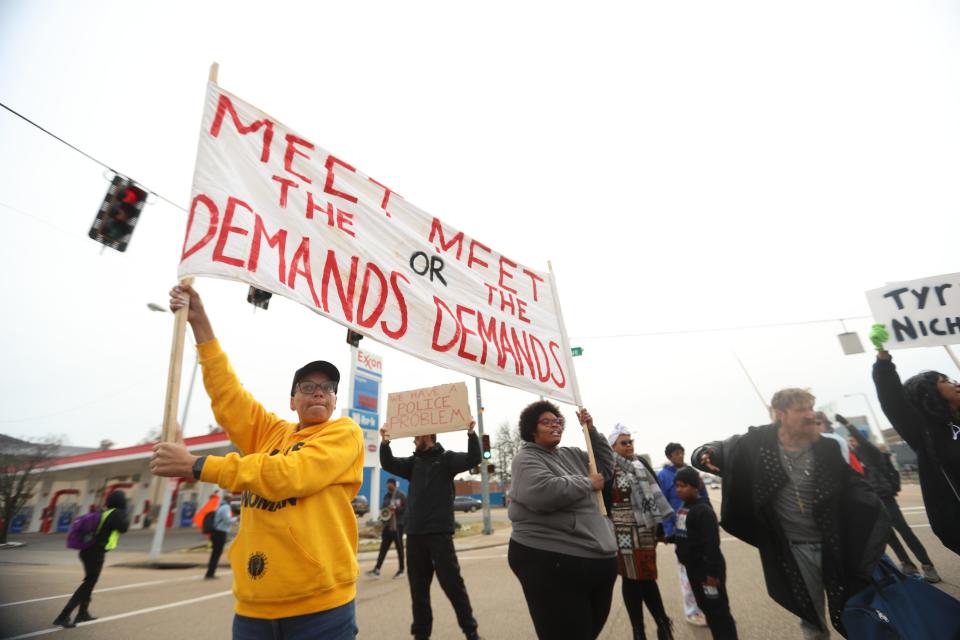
point(113, 522)
point(925, 411)
point(817, 524)
point(430, 524)
point(885, 480)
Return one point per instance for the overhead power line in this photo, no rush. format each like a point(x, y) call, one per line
point(87, 155)
point(716, 329)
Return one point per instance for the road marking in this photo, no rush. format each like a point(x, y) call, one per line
point(123, 586)
point(43, 632)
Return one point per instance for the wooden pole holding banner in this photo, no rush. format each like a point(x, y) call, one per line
point(168, 432)
point(952, 355)
point(592, 460)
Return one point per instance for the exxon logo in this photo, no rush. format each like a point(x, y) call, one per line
point(369, 361)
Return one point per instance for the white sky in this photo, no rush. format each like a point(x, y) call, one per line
point(684, 166)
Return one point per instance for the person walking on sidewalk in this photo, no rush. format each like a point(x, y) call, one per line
point(223, 519)
point(637, 507)
point(392, 507)
point(430, 524)
point(675, 453)
point(113, 522)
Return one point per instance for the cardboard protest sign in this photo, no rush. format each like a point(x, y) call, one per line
point(274, 210)
point(919, 313)
point(429, 410)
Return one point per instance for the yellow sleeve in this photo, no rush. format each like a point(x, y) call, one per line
point(327, 458)
point(236, 410)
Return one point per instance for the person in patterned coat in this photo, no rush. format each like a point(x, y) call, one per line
point(638, 508)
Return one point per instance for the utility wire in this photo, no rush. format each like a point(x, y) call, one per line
point(87, 155)
point(715, 329)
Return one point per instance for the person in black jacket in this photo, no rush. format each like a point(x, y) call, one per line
point(697, 538)
point(817, 524)
point(430, 524)
point(885, 480)
point(393, 506)
point(113, 522)
point(925, 411)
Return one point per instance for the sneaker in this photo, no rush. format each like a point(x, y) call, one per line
point(697, 620)
point(374, 573)
point(930, 573)
point(64, 621)
point(398, 574)
point(84, 616)
point(908, 569)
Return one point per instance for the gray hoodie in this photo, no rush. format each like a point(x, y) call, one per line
point(553, 507)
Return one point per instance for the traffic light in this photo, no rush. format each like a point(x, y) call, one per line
point(353, 338)
point(258, 297)
point(490, 468)
point(486, 447)
point(118, 214)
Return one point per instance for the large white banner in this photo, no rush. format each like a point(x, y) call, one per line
point(272, 209)
point(919, 313)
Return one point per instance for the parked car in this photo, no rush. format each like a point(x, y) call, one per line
point(466, 503)
point(361, 506)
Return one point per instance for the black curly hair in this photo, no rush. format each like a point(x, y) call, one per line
point(531, 414)
point(922, 392)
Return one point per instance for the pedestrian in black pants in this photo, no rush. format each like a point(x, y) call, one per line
point(885, 480)
point(223, 519)
point(430, 524)
point(392, 510)
point(113, 522)
point(697, 537)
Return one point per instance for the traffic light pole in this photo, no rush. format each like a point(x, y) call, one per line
point(484, 476)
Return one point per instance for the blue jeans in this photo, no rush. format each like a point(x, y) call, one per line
point(333, 624)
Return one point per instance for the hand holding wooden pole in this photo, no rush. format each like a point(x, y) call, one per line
point(172, 400)
point(586, 421)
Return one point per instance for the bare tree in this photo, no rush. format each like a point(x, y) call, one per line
point(20, 465)
point(507, 445)
point(106, 444)
point(152, 435)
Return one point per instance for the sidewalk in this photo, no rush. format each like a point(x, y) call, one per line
point(183, 549)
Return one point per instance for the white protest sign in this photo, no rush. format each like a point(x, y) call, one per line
point(429, 410)
point(272, 209)
point(919, 313)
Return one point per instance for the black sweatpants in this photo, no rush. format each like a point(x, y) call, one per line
point(716, 608)
point(92, 560)
point(900, 525)
point(218, 538)
point(427, 554)
point(636, 593)
point(568, 596)
point(387, 538)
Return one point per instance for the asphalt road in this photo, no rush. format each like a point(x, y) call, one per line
point(176, 603)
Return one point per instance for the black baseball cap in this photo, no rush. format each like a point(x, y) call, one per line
point(317, 366)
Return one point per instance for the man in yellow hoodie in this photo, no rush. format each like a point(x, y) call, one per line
point(295, 559)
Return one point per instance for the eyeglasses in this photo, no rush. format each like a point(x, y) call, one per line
point(329, 387)
point(626, 443)
point(550, 422)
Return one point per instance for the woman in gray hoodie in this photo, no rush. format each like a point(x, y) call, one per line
point(562, 548)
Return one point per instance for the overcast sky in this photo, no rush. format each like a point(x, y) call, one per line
point(685, 166)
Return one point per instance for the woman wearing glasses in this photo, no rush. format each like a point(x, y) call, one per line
point(637, 508)
point(562, 549)
point(925, 411)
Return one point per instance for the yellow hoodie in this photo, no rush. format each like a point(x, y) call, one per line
point(296, 553)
